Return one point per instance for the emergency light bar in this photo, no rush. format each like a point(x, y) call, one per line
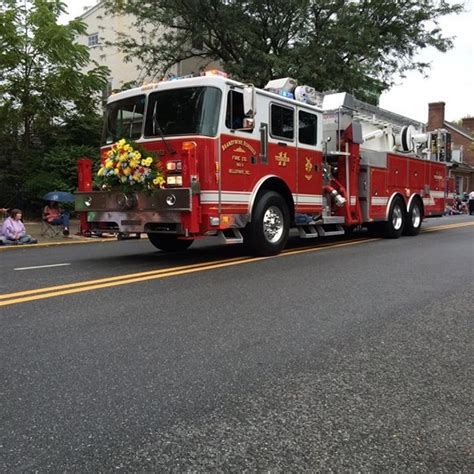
point(286, 84)
point(216, 72)
point(178, 78)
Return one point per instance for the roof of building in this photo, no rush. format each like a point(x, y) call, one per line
point(462, 131)
point(89, 10)
point(462, 166)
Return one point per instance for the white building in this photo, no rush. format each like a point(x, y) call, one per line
point(103, 29)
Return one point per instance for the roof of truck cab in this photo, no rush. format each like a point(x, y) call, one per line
point(199, 81)
point(213, 81)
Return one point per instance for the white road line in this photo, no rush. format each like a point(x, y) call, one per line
point(43, 266)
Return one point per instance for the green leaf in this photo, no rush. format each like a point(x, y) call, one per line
point(352, 46)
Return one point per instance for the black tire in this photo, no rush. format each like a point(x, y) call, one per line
point(414, 219)
point(393, 228)
point(169, 242)
point(268, 231)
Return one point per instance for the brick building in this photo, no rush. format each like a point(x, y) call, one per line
point(462, 136)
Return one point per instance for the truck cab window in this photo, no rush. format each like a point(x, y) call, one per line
point(307, 129)
point(282, 123)
point(183, 111)
point(234, 116)
point(124, 119)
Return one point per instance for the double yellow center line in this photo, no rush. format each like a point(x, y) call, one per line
point(90, 285)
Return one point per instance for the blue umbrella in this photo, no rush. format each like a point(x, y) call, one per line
point(59, 196)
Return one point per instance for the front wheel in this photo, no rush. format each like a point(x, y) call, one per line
point(169, 242)
point(414, 218)
point(396, 219)
point(268, 231)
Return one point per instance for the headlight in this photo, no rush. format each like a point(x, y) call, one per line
point(174, 180)
point(173, 166)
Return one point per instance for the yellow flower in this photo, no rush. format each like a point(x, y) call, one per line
point(130, 166)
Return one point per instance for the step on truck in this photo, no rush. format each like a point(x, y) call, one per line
point(245, 165)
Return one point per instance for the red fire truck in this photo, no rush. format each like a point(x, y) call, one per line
point(247, 164)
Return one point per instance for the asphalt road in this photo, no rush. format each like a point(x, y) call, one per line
point(354, 356)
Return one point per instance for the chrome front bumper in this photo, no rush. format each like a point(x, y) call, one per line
point(135, 212)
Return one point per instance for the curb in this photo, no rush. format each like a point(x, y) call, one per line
point(51, 244)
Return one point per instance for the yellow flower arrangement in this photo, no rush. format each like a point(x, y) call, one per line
point(128, 167)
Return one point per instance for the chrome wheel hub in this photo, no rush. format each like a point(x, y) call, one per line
point(273, 224)
point(416, 217)
point(397, 217)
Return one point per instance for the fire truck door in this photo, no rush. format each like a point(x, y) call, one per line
point(239, 152)
point(309, 174)
point(282, 144)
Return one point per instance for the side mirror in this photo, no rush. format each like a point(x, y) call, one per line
point(249, 123)
point(250, 101)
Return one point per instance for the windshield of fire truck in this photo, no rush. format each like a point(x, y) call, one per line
point(124, 119)
point(185, 111)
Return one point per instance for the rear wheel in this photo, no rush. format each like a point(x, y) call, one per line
point(396, 219)
point(414, 218)
point(268, 231)
point(169, 243)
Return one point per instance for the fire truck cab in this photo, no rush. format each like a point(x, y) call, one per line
point(246, 164)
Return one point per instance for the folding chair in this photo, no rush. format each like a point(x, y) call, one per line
point(50, 230)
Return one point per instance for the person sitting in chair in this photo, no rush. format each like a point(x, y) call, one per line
point(54, 216)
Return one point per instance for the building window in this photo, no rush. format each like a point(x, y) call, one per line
point(107, 91)
point(93, 40)
point(197, 42)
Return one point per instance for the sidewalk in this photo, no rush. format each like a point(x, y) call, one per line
point(34, 228)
